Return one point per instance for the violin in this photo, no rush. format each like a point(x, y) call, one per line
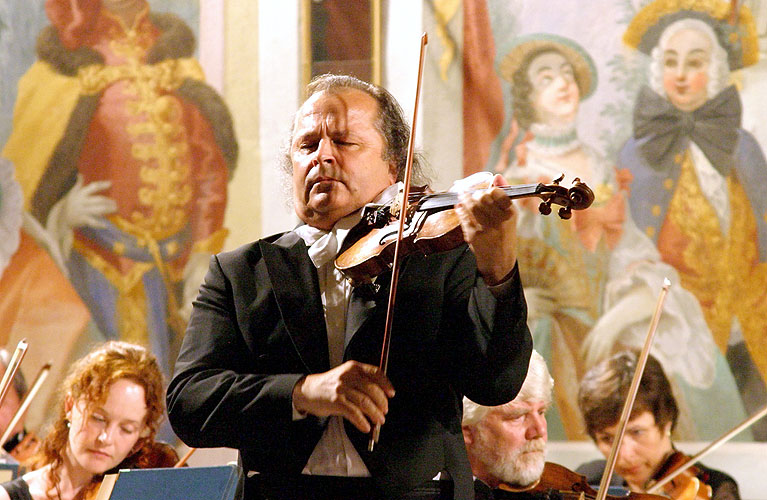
point(569, 485)
point(686, 485)
point(155, 454)
point(23, 446)
point(27, 442)
point(432, 225)
point(152, 455)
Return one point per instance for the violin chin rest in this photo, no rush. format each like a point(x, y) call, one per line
point(690, 490)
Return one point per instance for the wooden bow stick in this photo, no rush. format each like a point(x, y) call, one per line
point(39, 379)
point(186, 456)
point(655, 488)
point(375, 433)
point(12, 368)
point(633, 389)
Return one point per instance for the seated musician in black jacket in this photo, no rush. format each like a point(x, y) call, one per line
point(646, 446)
point(507, 443)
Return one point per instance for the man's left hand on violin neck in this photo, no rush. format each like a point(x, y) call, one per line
point(489, 223)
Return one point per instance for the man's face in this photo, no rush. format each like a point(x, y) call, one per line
point(337, 155)
point(643, 448)
point(510, 442)
point(555, 94)
point(686, 60)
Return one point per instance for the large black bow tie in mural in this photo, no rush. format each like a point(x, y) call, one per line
point(713, 127)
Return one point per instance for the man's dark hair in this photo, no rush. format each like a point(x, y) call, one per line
point(604, 389)
point(391, 123)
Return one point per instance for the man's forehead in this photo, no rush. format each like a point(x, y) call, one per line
point(337, 103)
point(521, 405)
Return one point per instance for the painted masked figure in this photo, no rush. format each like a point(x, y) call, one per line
point(698, 188)
point(124, 153)
point(592, 282)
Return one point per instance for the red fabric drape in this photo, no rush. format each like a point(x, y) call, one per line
point(482, 94)
point(73, 19)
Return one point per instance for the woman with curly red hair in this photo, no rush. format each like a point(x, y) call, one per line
point(111, 404)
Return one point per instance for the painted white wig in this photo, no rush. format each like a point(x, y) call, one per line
point(537, 385)
point(718, 70)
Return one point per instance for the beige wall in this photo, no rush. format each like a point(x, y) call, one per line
point(256, 68)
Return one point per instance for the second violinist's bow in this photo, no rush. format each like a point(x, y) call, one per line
point(656, 487)
point(633, 389)
point(12, 368)
point(402, 217)
point(36, 385)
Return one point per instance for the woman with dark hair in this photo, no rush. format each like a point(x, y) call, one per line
point(111, 404)
point(646, 446)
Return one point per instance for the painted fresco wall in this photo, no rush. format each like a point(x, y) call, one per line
point(115, 171)
point(582, 96)
point(592, 281)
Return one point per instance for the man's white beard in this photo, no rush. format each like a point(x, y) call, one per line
point(521, 467)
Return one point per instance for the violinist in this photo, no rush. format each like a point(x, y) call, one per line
point(647, 448)
point(280, 358)
point(111, 405)
point(16, 392)
point(507, 443)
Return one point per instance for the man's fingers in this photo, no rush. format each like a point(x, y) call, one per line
point(378, 378)
point(369, 408)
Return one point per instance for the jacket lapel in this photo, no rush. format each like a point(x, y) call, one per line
point(296, 289)
point(361, 307)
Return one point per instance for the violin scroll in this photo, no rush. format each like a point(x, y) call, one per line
point(578, 197)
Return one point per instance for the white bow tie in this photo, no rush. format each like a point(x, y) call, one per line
point(324, 247)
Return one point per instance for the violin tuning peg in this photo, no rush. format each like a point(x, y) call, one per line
point(544, 208)
point(565, 213)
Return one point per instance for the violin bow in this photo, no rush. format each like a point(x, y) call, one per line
point(655, 487)
point(384, 363)
point(39, 379)
point(12, 368)
point(186, 457)
point(633, 389)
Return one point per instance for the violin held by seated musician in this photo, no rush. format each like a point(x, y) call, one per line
point(111, 406)
point(506, 445)
point(21, 443)
point(647, 452)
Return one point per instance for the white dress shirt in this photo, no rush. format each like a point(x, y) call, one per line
point(334, 454)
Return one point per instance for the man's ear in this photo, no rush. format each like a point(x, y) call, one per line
point(667, 429)
point(393, 173)
point(468, 434)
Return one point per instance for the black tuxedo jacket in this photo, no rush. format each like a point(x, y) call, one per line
point(258, 326)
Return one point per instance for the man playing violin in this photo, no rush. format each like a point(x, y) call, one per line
point(507, 443)
point(280, 359)
point(646, 448)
